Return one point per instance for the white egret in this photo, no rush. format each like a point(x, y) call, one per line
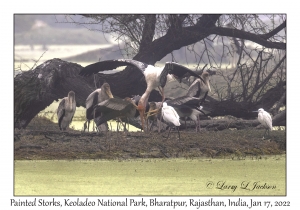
point(265, 119)
point(170, 116)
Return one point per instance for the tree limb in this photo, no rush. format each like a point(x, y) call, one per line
point(259, 39)
point(274, 31)
point(148, 32)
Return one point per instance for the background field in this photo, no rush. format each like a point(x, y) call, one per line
point(150, 177)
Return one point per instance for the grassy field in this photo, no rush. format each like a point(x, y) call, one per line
point(266, 176)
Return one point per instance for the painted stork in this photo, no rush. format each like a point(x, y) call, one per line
point(187, 106)
point(114, 108)
point(156, 77)
point(185, 111)
point(200, 87)
point(97, 96)
point(66, 110)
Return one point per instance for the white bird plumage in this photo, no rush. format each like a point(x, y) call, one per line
point(265, 119)
point(170, 116)
point(66, 110)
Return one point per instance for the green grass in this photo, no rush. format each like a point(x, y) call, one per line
point(150, 177)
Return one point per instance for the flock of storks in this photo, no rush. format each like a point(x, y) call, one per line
point(102, 106)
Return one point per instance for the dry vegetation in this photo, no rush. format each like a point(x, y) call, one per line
point(47, 142)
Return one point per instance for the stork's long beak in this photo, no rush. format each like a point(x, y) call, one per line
point(254, 111)
point(110, 95)
point(202, 112)
point(133, 103)
point(208, 85)
point(174, 77)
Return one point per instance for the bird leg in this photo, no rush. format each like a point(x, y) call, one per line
point(124, 125)
point(158, 124)
point(151, 125)
point(128, 124)
point(198, 119)
point(84, 126)
point(117, 126)
point(141, 108)
point(267, 130)
point(169, 132)
point(151, 113)
point(94, 120)
point(178, 132)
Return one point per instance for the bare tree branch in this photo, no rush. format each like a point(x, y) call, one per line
point(259, 39)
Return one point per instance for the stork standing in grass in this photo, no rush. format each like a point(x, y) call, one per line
point(156, 77)
point(170, 116)
point(265, 119)
point(97, 96)
point(66, 110)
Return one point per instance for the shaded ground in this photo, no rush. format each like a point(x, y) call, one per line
point(50, 143)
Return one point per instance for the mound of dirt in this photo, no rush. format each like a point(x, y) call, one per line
point(236, 144)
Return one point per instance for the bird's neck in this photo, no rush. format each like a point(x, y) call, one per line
point(71, 100)
point(145, 97)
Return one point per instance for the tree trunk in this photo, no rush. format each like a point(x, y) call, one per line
point(57, 77)
point(36, 89)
